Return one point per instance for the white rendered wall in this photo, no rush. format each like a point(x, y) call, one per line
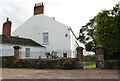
point(38, 24)
point(7, 50)
point(74, 44)
point(35, 52)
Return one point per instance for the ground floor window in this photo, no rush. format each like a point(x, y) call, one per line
point(65, 55)
point(27, 52)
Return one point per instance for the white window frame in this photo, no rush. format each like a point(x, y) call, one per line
point(45, 38)
point(27, 52)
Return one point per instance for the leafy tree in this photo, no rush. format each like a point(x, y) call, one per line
point(107, 31)
point(89, 58)
point(86, 35)
point(104, 30)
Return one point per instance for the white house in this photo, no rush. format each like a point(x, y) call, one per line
point(50, 33)
point(29, 49)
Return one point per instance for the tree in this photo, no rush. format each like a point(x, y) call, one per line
point(86, 35)
point(104, 30)
point(107, 31)
point(89, 58)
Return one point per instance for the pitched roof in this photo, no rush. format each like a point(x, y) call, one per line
point(41, 22)
point(17, 40)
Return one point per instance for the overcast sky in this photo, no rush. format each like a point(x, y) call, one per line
point(73, 13)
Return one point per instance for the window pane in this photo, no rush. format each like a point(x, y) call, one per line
point(64, 54)
point(45, 38)
point(27, 52)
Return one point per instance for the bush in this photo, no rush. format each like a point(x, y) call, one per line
point(67, 64)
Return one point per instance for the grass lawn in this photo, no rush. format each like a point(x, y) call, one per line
point(89, 65)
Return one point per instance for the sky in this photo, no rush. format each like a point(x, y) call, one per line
point(72, 13)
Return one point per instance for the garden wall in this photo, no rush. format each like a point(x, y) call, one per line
point(41, 63)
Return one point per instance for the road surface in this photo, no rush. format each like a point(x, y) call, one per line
point(11, 73)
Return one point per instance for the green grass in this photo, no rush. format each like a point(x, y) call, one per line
point(89, 65)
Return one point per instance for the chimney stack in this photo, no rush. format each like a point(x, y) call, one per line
point(39, 8)
point(7, 28)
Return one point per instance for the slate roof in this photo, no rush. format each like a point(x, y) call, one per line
point(19, 41)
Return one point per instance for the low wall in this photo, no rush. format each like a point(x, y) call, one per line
point(7, 60)
point(39, 63)
point(112, 64)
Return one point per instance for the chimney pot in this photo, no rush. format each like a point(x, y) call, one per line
point(39, 8)
point(7, 19)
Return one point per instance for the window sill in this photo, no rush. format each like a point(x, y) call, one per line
point(45, 43)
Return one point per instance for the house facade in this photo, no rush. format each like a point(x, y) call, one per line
point(29, 49)
point(50, 33)
point(38, 37)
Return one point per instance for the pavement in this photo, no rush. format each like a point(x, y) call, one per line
point(24, 73)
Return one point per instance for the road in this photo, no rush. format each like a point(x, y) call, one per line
point(11, 73)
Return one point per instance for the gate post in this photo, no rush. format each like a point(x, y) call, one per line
point(80, 56)
point(16, 54)
point(100, 56)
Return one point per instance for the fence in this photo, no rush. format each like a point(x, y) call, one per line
point(23, 54)
point(6, 52)
point(37, 59)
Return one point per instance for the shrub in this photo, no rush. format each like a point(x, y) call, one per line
point(67, 64)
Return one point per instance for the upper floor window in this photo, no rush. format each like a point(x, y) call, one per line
point(45, 38)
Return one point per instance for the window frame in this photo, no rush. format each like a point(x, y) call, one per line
point(27, 52)
point(65, 56)
point(45, 38)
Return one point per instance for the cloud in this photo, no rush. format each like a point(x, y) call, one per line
point(73, 13)
point(54, 3)
point(17, 11)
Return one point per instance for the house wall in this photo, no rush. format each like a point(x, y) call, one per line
point(6, 50)
point(35, 52)
point(74, 44)
point(60, 38)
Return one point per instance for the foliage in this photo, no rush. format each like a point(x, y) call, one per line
point(67, 64)
point(107, 31)
point(67, 61)
point(53, 55)
point(86, 35)
point(104, 30)
point(90, 61)
point(89, 58)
